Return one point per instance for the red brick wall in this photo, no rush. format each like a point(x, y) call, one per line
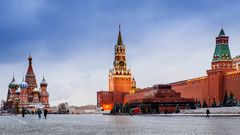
point(200, 89)
point(118, 97)
point(120, 83)
point(195, 88)
point(232, 84)
point(105, 99)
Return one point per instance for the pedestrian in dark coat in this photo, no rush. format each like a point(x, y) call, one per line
point(23, 112)
point(45, 113)
point(39, 112)
point(207, 112)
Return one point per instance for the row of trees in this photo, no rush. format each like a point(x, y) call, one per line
point(127, 108)
point(120, 108)
point(228, 101)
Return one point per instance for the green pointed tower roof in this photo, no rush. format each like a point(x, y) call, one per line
point(119, 41)
point(222, 33)
point(222, 51)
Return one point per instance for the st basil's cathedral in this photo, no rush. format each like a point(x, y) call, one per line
point(26, 94)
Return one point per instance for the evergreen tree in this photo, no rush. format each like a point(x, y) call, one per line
point(231, 100)
point(196, 103)
point(238, 103)
point(188, 106)
point(214, 104)
point(204, 104)
point(143, 109)
point(199, 104)
point(225, 99)
point(125, 108)
point(177, 109)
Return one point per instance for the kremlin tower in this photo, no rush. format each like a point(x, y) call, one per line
point(121, 81)
point(221, 63)
point(120, 78)
point(26, 94)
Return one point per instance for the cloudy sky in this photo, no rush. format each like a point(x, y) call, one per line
point(72, 41)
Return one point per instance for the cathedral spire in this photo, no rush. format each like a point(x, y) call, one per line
point(30, 76)
point(13, 77)
point(30, 69)
point(119, 41)
point(23, 78)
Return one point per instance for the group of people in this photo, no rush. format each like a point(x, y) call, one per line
point(39, 112)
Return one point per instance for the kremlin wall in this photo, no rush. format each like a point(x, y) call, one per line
point(223, 77)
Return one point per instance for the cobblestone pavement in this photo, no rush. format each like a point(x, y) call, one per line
point(121, 125)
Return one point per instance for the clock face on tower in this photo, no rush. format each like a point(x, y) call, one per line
point(121, 63)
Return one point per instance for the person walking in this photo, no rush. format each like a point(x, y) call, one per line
point(23, 112)
point(45, 113)
point(39, 112)
point(207, 112)
point(33, 112)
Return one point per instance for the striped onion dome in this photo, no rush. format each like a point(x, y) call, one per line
point(13, 84)
point(23, 84)
point(43, 83)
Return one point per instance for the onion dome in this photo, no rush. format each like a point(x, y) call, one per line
point(35, 90)
point(30, 57)
point(18, 91)
point(43, 83)
point(23, 84)
point(13, 84)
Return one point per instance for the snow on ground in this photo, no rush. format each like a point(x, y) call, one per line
point(96, 124)
point(219, 110)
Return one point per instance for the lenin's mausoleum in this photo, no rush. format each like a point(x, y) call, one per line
point(223, 77)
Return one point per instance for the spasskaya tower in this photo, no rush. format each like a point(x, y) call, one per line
point(120, 77)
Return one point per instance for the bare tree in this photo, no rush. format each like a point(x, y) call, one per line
point(2, 105)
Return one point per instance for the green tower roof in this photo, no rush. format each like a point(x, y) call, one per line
point(222, 33)
point(222, 51)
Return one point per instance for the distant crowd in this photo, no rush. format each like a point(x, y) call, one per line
point(38, 112)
